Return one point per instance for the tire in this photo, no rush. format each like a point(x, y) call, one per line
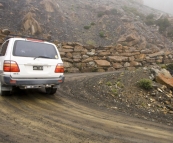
point(3, 93)
point(50, 90)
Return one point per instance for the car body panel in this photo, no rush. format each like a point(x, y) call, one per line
point(34, 69)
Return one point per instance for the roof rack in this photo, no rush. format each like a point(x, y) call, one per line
point(23, 36)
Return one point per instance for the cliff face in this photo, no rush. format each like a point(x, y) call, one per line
point(91, 22)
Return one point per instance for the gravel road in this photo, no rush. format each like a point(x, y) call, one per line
point(32, 116)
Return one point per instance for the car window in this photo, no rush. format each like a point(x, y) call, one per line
point(4, 48)
point(34, 49)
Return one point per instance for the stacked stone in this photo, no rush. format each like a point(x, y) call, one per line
point(79, 58)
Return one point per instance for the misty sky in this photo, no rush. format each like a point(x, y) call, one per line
point(163, 5)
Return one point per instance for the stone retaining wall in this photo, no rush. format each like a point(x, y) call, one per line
point(79, 58)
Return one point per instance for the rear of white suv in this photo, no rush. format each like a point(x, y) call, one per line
point(30, 63)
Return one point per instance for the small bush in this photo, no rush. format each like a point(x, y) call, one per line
point(170, 32)
point(101, 34)
point(134, 11)
point(145, 84)
point(108, 83)
point(114, 92)
point(101, 13)
point(150, 21)
point(163, 24)
point(86, 27)
point(91, 42)
point(124, 44)
point(169, 67)
point(150, 16)
point(92, 23)
point(94, 70)
point(119, 84)
point(163, 66)
point(113, 11)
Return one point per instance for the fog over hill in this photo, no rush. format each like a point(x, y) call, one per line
point(163, 5)
point(91, 22)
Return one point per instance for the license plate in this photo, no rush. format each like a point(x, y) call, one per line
point(37, 67)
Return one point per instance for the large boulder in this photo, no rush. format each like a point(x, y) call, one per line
point(161, 78)
point(49, 5)
point(163, 72)
point(5, 31)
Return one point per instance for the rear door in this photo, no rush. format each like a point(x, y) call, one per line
point(36, 59)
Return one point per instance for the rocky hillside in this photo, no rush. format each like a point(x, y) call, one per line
point(91, 22)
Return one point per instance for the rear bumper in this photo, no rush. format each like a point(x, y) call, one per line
point(7, 80)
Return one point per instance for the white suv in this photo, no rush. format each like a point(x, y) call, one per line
point(30, 63)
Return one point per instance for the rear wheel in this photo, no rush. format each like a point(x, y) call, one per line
point(2, 93)
point(50, 90)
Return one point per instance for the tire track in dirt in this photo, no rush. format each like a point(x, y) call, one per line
point(32, 116)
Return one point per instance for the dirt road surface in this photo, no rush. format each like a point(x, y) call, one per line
point(32, 116)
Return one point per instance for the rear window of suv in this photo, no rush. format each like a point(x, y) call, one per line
point(34, 49)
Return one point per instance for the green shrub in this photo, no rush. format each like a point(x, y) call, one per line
point(150, 16)
point(109, 83)
point(124, 44)
point(169, 67)
point(170, 32)
point(86, 27)
point(119, 84)
point(163, 66)
point(91, 42)
point(163, 24)
point(114, 92)
point(129, 9)
point(145, 84)
point(101, 34)
point(101, 13)
point(113, 11)
point(92, 23)
point(149, 20)
point(94, 70)
point(134, 11)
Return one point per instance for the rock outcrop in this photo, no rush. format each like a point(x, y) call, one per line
point(30, 24)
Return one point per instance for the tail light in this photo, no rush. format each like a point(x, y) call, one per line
point(59, 68)
point(10, 66)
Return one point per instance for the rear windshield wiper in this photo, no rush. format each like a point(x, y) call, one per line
point(42, 57)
